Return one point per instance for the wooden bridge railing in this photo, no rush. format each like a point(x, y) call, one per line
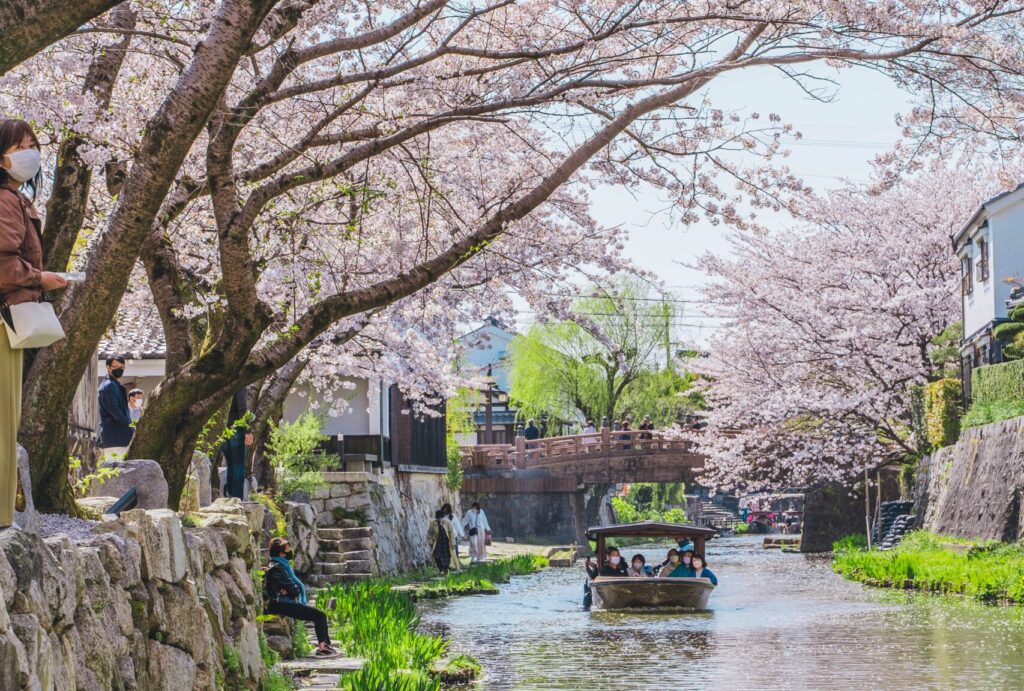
point(544, 453)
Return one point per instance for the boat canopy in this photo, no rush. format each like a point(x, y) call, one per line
point(675, 531)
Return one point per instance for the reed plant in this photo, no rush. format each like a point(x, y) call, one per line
point(987, 571)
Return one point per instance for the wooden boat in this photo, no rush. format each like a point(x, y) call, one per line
point(650, 593)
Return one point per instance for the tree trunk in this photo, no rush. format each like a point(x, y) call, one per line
point(29, 26)
point(90, 307)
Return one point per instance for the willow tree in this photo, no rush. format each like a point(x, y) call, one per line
point(585, 365)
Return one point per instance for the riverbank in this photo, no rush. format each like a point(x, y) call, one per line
point(376, 620)
point(985, 571)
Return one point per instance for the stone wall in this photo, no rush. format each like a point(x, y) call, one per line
point(402, 504)
point(831, 512)
point(540, 517)
point(973, 488)
point(396, 504)
point(141, 602)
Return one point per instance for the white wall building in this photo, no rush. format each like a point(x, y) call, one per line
point(991, 251)
point(486, 353)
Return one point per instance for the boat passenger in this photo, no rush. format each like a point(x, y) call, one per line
point(700, 570)
point(614, 566)
point(640, 569)
point(685, 552)
point(670, 564)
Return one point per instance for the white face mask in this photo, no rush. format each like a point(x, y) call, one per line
point(637, 566)
point(24, 164)
point(674, 559)
point(614, 561)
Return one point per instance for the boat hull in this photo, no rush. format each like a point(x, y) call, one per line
point(651, 593)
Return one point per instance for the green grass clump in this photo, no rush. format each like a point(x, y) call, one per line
point(987, 571)
point(460, 670)
point(277, 681)
point(741, 528)
point(983, 413)
point(301, 647)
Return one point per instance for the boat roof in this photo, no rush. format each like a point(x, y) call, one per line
point(650, 529)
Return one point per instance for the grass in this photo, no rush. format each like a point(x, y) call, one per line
point(984, 413)
point(741, 528)
point(986, 571)
point(372, 620)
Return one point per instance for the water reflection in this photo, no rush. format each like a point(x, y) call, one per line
point(777, 621)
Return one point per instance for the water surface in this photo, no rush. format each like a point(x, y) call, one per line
point(777, 621)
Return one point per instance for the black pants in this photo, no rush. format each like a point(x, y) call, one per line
point(302, 613)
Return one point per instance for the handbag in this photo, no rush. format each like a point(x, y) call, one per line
point(31, 324)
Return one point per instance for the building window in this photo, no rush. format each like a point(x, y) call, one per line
point(966, 283)
point(982, 260)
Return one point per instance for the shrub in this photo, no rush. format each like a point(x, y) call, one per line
point(942, 411)
point(985, 413)
point(292, 448)
point(998, 383)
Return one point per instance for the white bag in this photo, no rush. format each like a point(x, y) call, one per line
point(35, 325)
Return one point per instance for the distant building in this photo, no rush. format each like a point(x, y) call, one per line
point(991, 250)
point(373, 431)
point(486, 355)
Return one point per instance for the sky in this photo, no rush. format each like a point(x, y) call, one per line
point(840, 139)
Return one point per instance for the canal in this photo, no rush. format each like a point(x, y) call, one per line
point(777, 621)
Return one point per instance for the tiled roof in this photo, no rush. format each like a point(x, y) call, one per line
point(139, 336)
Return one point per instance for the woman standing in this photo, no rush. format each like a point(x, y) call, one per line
point(21, 280)
point(441, 539)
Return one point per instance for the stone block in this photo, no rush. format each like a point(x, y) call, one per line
point(168, 668)
point(144, 475)
point(302, 534)
point(159, 534)
point(342, 489)
point(27, 519)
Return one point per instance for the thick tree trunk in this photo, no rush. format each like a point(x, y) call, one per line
point(89, 308)
point(29, 26)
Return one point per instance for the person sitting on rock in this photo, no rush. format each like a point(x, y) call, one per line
point(285, 596)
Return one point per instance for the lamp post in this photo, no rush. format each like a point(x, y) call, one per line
point(488, 409)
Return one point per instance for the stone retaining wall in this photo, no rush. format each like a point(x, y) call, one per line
point(398, 505)
point(973, 489)
point(142, 603)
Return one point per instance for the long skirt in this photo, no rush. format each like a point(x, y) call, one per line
point(442, 551)
point(10, 418)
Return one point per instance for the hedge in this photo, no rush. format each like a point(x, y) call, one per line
point(942, 411)
point(1001, 383)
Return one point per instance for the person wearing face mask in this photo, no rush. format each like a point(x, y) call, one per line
point(639, 567)
point(700, 570)
point(22, 279)
point(135, 397)
point(285, 596)
point(671, 563)
point(614, 567)
point(116, 429)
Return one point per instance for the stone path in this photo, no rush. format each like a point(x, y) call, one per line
point(319, 674)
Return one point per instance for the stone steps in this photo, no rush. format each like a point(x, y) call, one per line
point(345, 567)
point(339, 557)
point(349, 545)
point(320, 580)
point(344, 533)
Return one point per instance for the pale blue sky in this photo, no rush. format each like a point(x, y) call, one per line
point(839, 140)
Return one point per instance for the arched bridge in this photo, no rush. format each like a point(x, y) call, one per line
point(567, 464)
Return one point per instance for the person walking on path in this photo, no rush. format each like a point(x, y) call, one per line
point(285, 596)
point(476, 525)
point(116, 429)
point(441, 538)
point(235, 447)
point(22, 279)
point(459, 533)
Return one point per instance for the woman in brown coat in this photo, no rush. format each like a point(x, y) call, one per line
point(22, 279)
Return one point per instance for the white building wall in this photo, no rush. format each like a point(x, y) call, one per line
point(489, 346)
point(1007, 250)
point(354, 421)
point(978, 305)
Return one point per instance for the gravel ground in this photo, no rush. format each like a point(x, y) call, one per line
point(75, 528)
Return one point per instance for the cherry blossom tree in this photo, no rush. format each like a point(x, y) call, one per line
point(29, 26)
point(829, 326)
point(415, 143)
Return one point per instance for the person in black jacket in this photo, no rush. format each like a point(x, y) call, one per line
point(285, 596)
point(235, 446)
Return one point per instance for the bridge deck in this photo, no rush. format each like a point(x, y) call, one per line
point(567, 462)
